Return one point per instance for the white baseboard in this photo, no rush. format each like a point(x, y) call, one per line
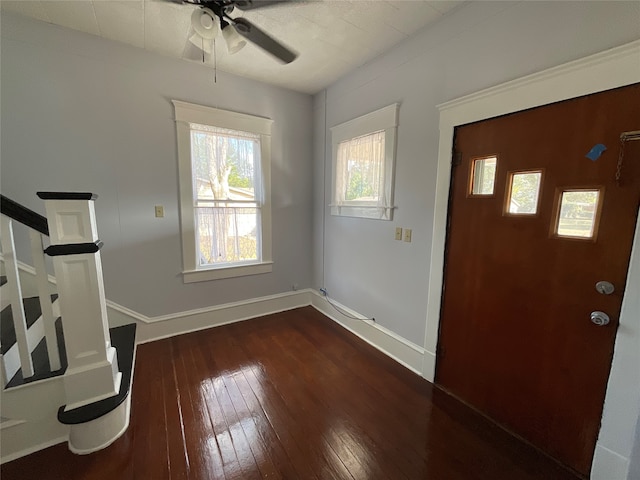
point(608, 465)
point(150, 329)
point(400, 349)
point(155, 328)
point(429, 366)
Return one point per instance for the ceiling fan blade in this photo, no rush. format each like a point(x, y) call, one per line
point(269, 44)
point(253, 4)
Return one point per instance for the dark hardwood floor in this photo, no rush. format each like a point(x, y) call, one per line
point(290, 396)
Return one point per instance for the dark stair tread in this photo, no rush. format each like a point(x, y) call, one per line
point(32, 311)
point(40, 356)
point(124, 340)
point(3, 280)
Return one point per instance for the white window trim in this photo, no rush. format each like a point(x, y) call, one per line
point(185, 114)
point(384, 119)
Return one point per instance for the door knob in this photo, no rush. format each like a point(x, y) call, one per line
point(599, 318)
point(605, 288)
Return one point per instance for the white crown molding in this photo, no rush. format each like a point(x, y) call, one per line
point(621, 54)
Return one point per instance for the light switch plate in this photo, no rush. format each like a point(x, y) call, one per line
point(398, 233)
point(159, 211)
point(407, 234)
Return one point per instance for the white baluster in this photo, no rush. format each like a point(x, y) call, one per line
point(15, 293)
point(42, 279)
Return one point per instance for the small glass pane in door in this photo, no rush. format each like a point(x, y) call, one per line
point(483, 175)
point(524, 192)
point(578, 213)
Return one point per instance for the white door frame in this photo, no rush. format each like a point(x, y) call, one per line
point(613, 68)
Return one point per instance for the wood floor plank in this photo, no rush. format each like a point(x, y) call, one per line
point(202, 446)
point(240, 414)
point(243, 463)
point(149, 437)
point(271, 438)
point(302, 404)
point(390, 454)
point(290, 396)
point(267, 377)
point(384, 411)
point(174, 418)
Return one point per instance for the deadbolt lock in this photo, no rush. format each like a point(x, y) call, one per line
point(599, 318)
point(605, 288)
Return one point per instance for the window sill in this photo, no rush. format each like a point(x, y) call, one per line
point(192, 276)
point(374, 212)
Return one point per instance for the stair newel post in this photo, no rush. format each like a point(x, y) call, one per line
point(44, 294)
point(92, 373)
point(15, 294)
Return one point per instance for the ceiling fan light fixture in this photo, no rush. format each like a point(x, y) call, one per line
point(203, 23)
point(232, 38)
point(203, 44)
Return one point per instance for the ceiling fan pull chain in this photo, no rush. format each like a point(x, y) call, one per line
point(215, 63)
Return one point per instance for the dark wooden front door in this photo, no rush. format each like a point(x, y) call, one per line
point(524, 255)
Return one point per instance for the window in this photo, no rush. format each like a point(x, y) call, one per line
point(363, 165)
point(523, 192)
point(223, 160)
point(578, 212)
point(483, 176)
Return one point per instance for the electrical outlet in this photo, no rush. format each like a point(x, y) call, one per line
point(398, 233)
point(159, 211)
point(407, 235)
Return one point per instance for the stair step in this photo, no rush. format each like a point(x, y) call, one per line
point(3, 280)
point(32, 311)
point(124, 340)
point(40, 356)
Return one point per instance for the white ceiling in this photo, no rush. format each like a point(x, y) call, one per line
point(332, 37)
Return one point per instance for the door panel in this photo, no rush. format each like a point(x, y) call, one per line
point(516, 340)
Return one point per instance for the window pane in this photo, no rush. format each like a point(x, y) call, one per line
point(484, 175)
point(361, 168)
point(227, 235)
point(224, 164)
point(578, 213)
point(524, 192)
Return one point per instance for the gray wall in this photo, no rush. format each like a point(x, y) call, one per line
point(83, 113)
point(634, 467)
point(479, 45)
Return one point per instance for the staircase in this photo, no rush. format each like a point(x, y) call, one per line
point(64, 375)
point(35, 338)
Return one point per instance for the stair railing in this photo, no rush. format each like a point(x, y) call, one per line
point(92, 372)
point(38, 229)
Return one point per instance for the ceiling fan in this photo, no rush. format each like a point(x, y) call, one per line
point(235, 31)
